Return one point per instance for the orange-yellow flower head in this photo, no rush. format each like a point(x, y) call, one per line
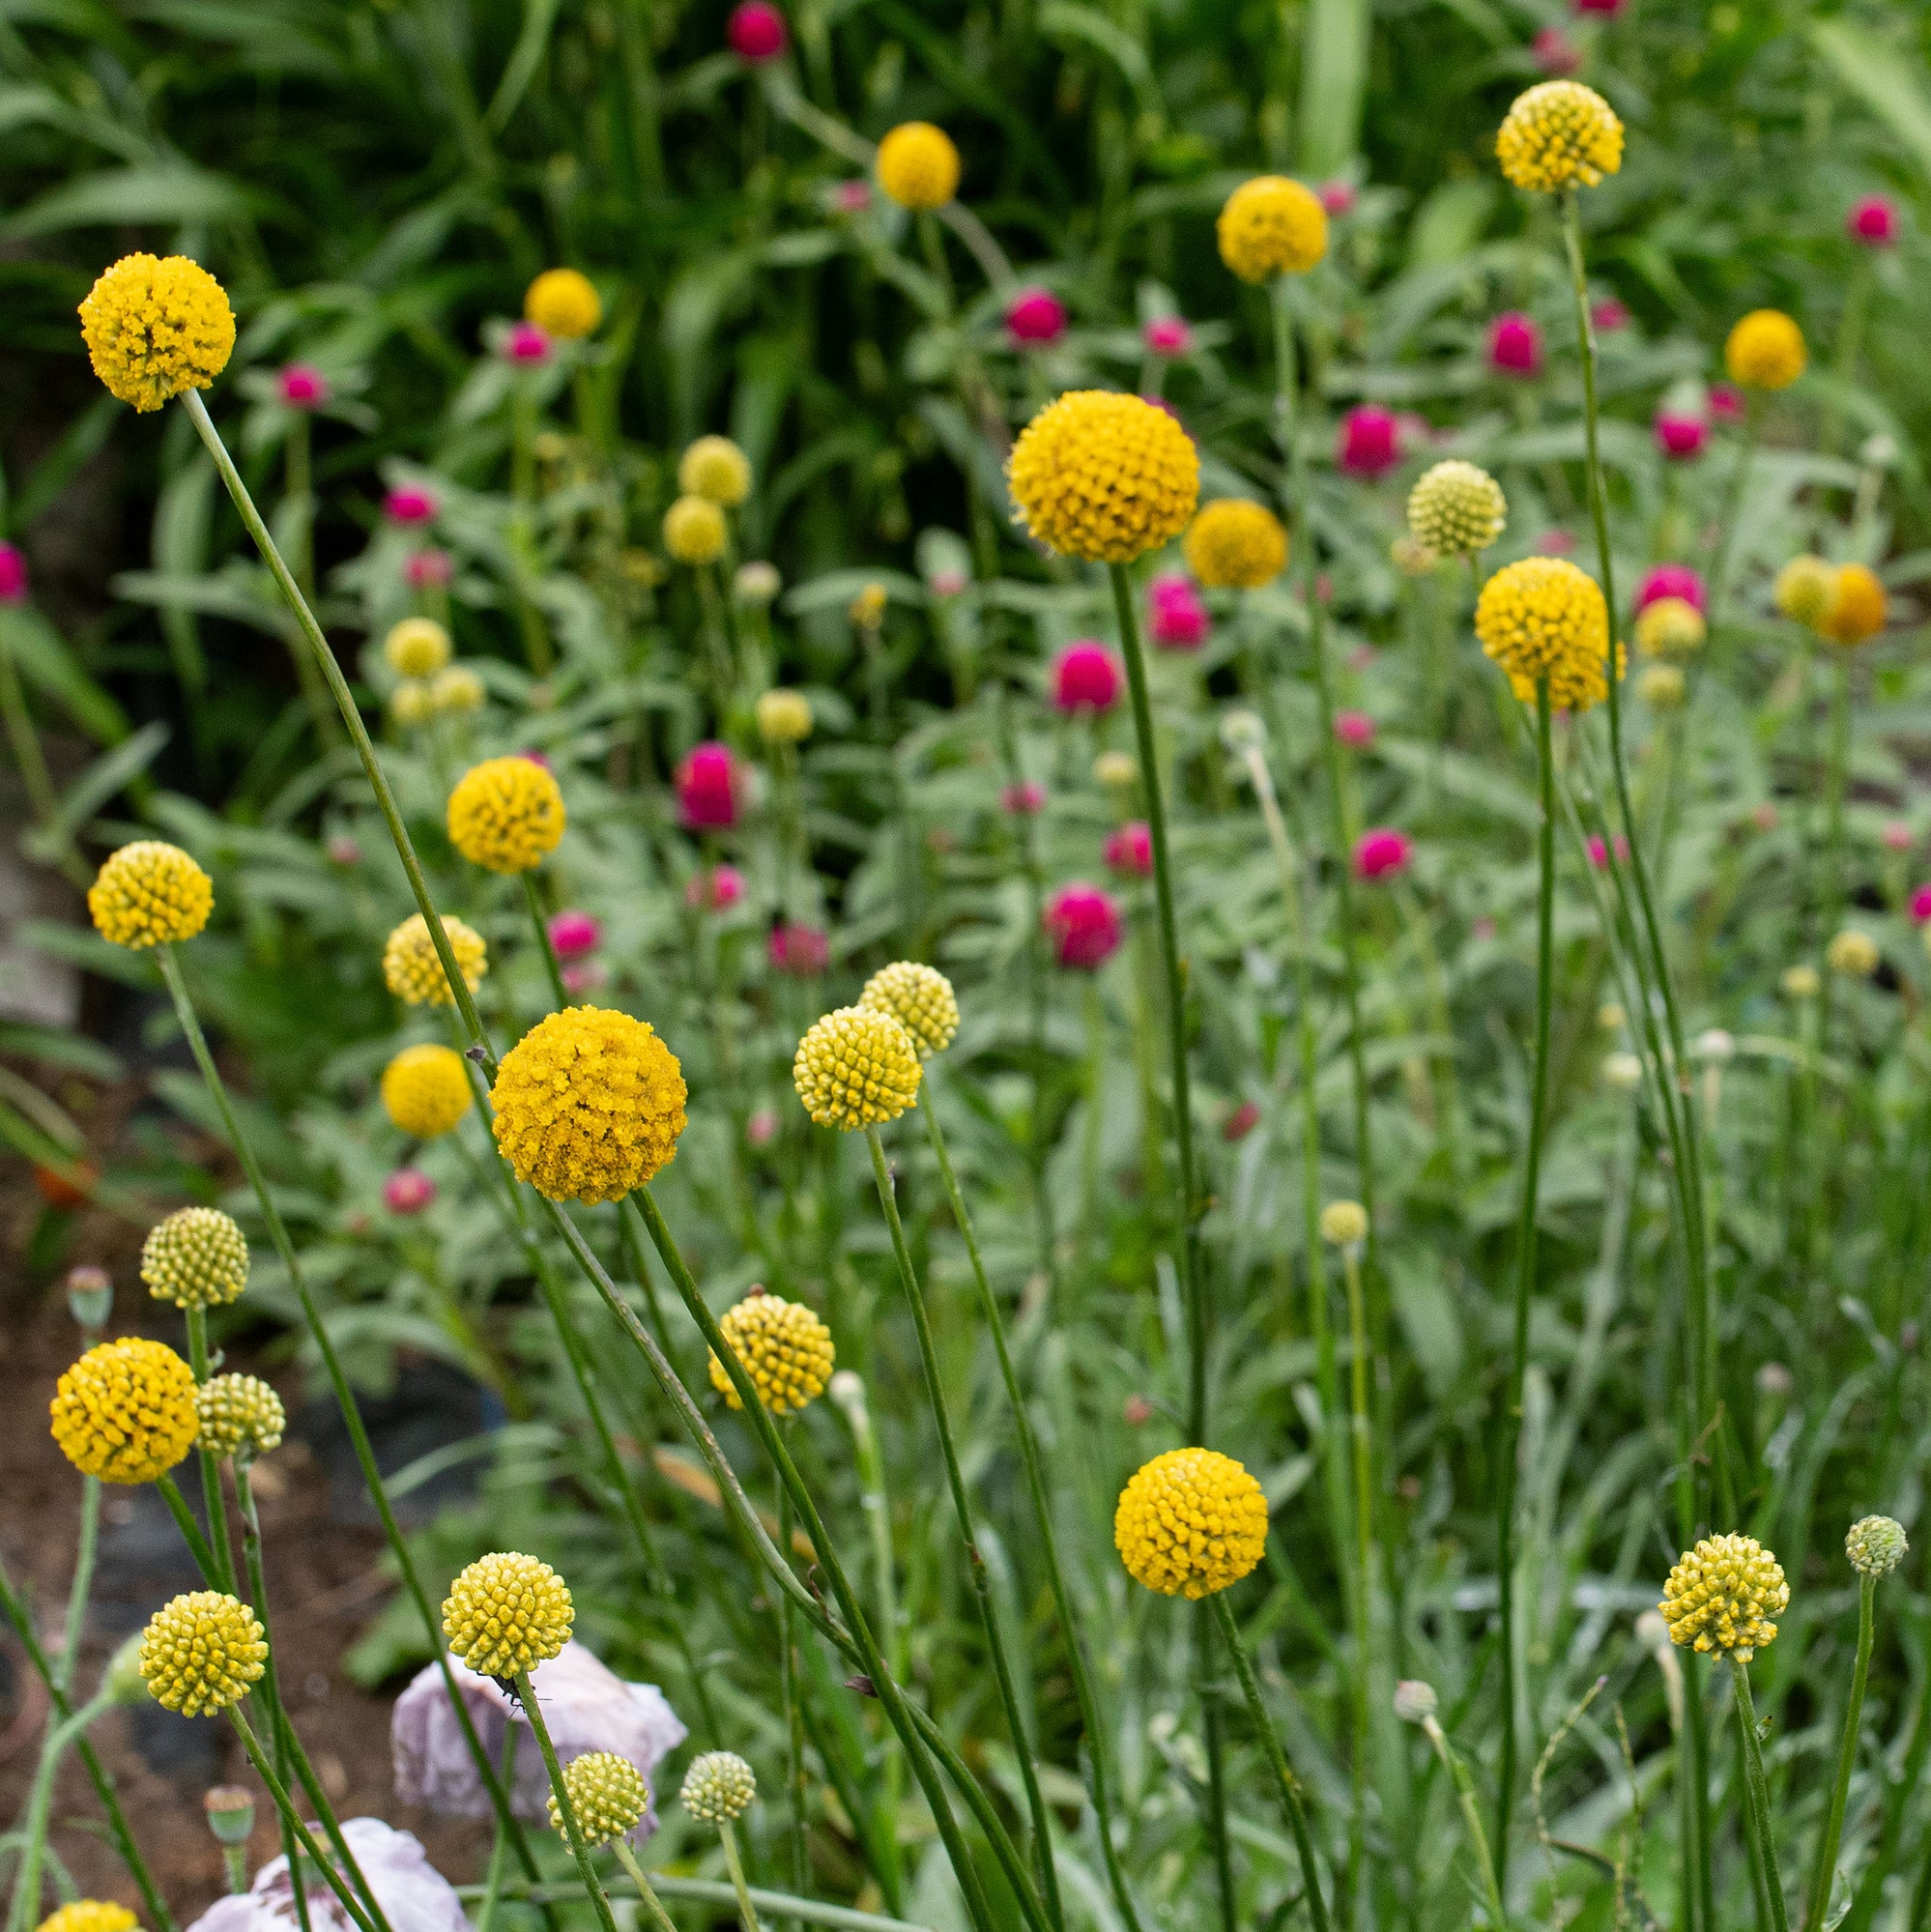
point(150, 894)
point(507, 813)
point(1855, 611)
point(125, 1412)
point(561, 302)
point(856, 1067)
point(1804, 588)
point(918, 166)
point(1559, 134)
point(1723, 1594)
point(1543, 617)
point(1103, 476)
point(1271, 227)
point(412, 969)
point(202, 1652)
point(1190, 1522)
point(156, 328)
point(425, 1090)
point(695, 532)
point(1670, 628)
point(89, 1914)
point(1765, 350)
point(1236, 544)
point(416, 647)
point(589, 1105)
point(784, 1348)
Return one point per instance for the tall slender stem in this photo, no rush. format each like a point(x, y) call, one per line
point(82, 1582)
point(212, 1497)
point(533, 898)
point(24, 1908)
point(1825, 1867)
point(573, 1834)
point(1471, 1816)
point(734, 1863)
point(646, 1890)
point(1758, 1808)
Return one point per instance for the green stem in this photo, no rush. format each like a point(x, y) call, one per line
point(788, 1693)
point(24, 1909)
point(190, 1533)
point(82, 1582)
point(1732, 505)
point(646, 1890)
point(1363, 1462)
point(500, 1843)
point(212, 1497)
point(709, 1891)
point(1471, 1816)
point(1758, 1809)
point(1825, 1868)
point(534, 899)
point(573, 1836)
point(734, 1863)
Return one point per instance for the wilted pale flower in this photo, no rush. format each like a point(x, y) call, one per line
point(413, 1895)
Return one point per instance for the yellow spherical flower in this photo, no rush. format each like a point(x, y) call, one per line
point(694, 530)
point(1344, 1224)
point(1662, 687)
point(867, 609)
point(1271, 227)
point(1190, 1522)
point(239, 1412)
point(920, 999)
point(589, 1105)
point(150, 894)
point(1803, 589)
point(1670, 628)
point(856, 1067)
point(1876, 1546)
point(1801, 982)
point(1765, 350)
point(918, 166)
point(1455, 509)
point(201, 1653)
point(718, 1787)
point(1236, 544)
point(156, 328)
point(457, 689)
point(784, 717)
point(609, 1797)
point(1856, 609)
point(784, 1348)
point(507, 1612)
point(89, 1914)
point(125, 1412)
point(197, 1258)
point(1852, 954)
point(425, 1090)
point(412, 971)
point(412, 702)
point(1722, 1595)
point(1103, 476)
point(1543, 617)
point(507, 813)
point(1559, 134)
point(715, 468)
point(561, 302)
point(416, 648)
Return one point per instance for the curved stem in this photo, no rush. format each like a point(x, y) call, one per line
point(1825, 1868)
point(646, 1890)
point(573, 1836)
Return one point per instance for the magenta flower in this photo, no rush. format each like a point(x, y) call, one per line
point(1598, 851)
point(802, 952)
point(1083, 924)
point(757, 32)
point(580, 976)
point(1381, 853)
point(1128, 849)
point(1242, 1121)
point(428, 569)
point(1338, 198)
point(574, 933)
point(13, 575)
point(1087, 677)
point(1024, 800)
point(761, 1128)
point(1514, 344)
point(1920, 905)
point(302, 386)
point(707, 788)
point(852, 197)
point(408, 505)
point(1610, 8)
point(411, 1892)
point(1555, 53)
point(1167, 335)
point(1555, 543)
point(1608, 316)
point(1681, 437)
point(408, 1191)
point(526, 343)
point(1726, 402)
point(1175, 614)
point(1874, 220)
point(1671, 580)
point(1354, 728)
point(1035, 317)
point(1369, 442)
point(717, 890)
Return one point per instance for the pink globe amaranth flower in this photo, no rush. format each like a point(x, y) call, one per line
point(1242, 1121)
point(1681, 437)
point(1087, 677)
point(526, 343)
point(1338, 198)
point(302, 386)
point(409, 1890)
point(1514, 344)
point(1874, 220)
point(13, 575)
point(1555, 53)
point(707, 788)
point(580, 976)
point(1083, 924)
point(1137, 1411)
point(1920, 905)
point(1897, 836)
point(1671, 580)
point(1167, 335)
point(428, 569)
point(1726, 403)
point(342, 849)
point(1598, 851)
point(541, 758)
point(801, 951)
point(1381, 853)
point(574, 933)
point(1368, 441)
point(1608, 7)
point(409, 504)
point(1608, 316)
point(757, 32)
point(949, 583)
point(1035, 316)
point(852, 197)
point(1481, 927)
point(408, 1191)
point(1355, 729)
point(1024, 800)
point(761, 1128)
point(1128, 850)
point(717, 890)
point(1555, 543)
point(1176, 617)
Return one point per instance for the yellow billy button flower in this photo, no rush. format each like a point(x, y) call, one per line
point(89, 1914)
point(715, 469)
point(1271, 227)
point(416, 648)
point(784, 1348)
point(150, 894)
point(412, 702)
point(1803, 589)
point(920, 999)
point(1103, 476)
point(1559, 134)
point(1190, 1522)
point(1662, 687)
point(1856, 609)
point(784, 717)
point(239, 1412)
point(412, 971)
point(125, 1412)
point(694, 530)
point(425, 1090)
point(1455, 509)
point(1236, 544)
point(202, 1652)
point(589, 1105)
point(1543, 617)
point(457, 689)
point(1670, 628)
point(856, 1067)
point(197, 1258)
point(156, 328)
point(562, 302)
point(1852, 954)
point(1723, 1594)
point(1765, 350)
point(506, 1613)
point(507, 813)
point(918, 165)
point(718, 1787)
point(1344, 1224)
point(609, 1797)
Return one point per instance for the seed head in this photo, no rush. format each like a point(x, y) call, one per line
point(156, 328)
point(1455, 510)
point(150, 894)
point(609, 1797)
point(1543, 617)
point(239, 1412)
point(920, 999)
point(784, 1348)
point(413, 971)
point(1190, 1522)
point(1876, 1546)
point(507, 813)
point(125, 1412)
point(1103, 476)
point(1559, 134)
point(857, 1067)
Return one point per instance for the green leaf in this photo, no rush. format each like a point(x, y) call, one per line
point(166, 195)
point(47, 662)
point(1881, 74)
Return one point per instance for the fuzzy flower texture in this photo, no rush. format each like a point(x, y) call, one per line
point(1103, 476)
point(1456, 508)
point(1723, 1596)
point(1543, 617)
point(425, 1090)
point(782, 1345)
point(609, 1797)
point(718, 1787)
point(1191, 1523)
point(1235, 544)
point(1559, 134)
point(918, 165)
point(154, 327)
point(412, 971)
point(1271, 227)
point(125, 1412)
point(857, 1067)
point(150, 894)
point(507, 815)
point(239, 1412)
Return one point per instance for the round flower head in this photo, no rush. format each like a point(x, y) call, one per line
point(412, 971)
point(425, 1090)
point(201, 1653)
point(457, 689)
point(1271, 227)
point(1852, 954)
point(1190, 1522)
point(718, 1787)
point(506, 1613)
point(1876, 1546)
point(1456, 508)
point(918, 166)
point(1855, 611)
point(1662, 687)
point(1368, 441)
point(150, 894)
point(1670, 628)
point(507, 813)
point(1087, 677)
point(1801, 982)
point(1344, 1224)
point(589, 1105)
point(920, 999)
point(784, 1348)
point(562, 302)
point(156, 328)
point(608, 1797)
point(1543, 617)
point(715, 469)
point(1083, 924)
point(784, 717)
point(1235, 544)
point(1803, 588)
point(89, 1914)
point(1722, 1595)
point(197, 1258)
point(125, 1412)
point(416, 648)
point(856, 1067)
point(694, 530)
point(1103, 476)
point(412, 702)
point(1035, 316)
point(1559, 134)
point(1410, 555)
point(1765, 350)
point(239, 1412)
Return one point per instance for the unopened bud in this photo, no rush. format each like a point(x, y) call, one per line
point(90, 1296)
point(1415, 1702)
point(231, 1814)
